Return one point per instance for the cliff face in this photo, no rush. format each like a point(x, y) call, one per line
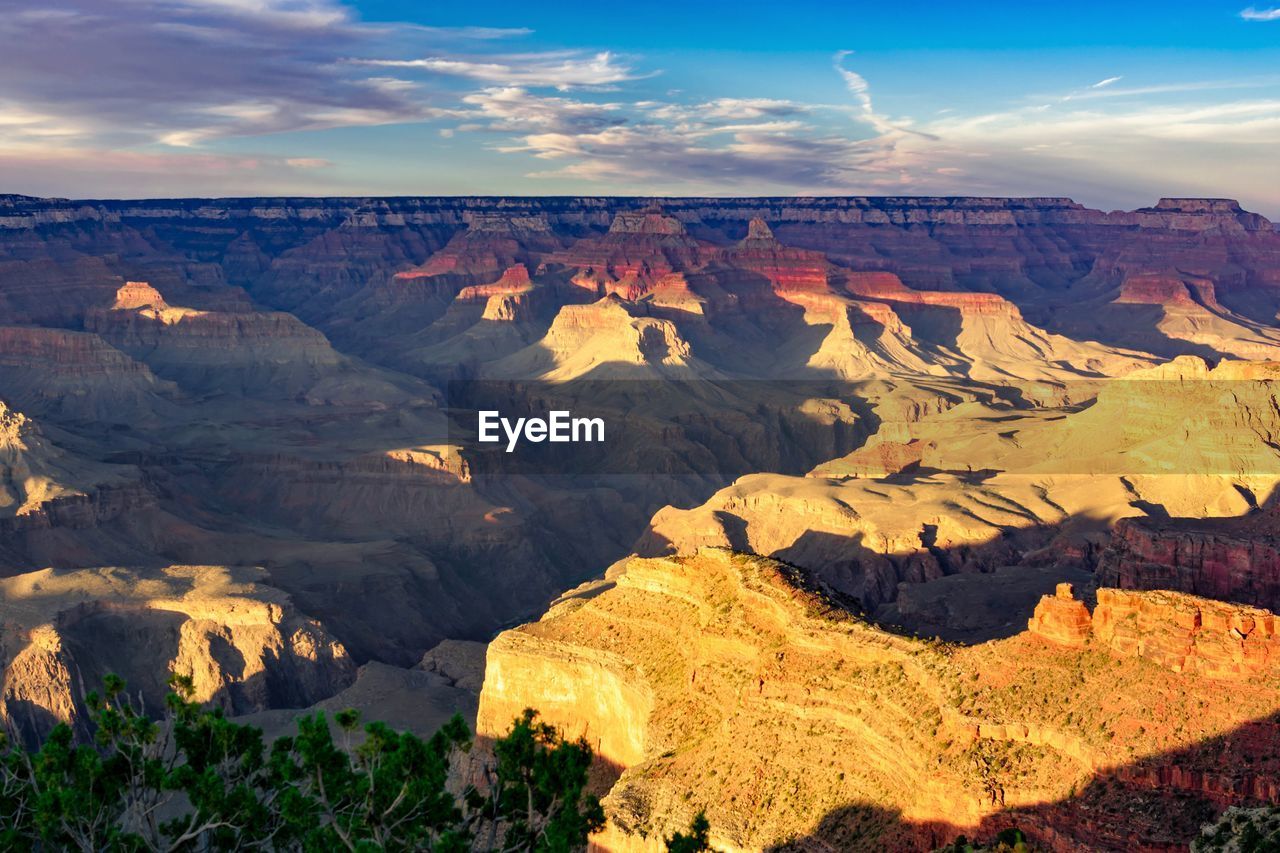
point(244, 644)
point(1228, 559)
point(1188, 214)
point(731, 684)
point(1180, 632)
point(78, 376)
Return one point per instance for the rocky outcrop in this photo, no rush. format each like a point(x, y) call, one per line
point(78, 376)
point(639, 248)
point(1180, 632)
point(460, 662)
point(786, 268)
point(1188, 634)
point(491, 243)
point(883, 459)
point(254, 351)
point(736, 686)
point(605, 339)
point(244, 645)
point(510, 299)
point(864, 536)
point(1061, 619)
point(1227, 559)
point(514, 281)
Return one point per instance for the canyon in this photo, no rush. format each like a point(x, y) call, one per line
point(811, 581)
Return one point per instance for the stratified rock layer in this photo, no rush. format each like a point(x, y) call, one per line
point(1229, 559)
point(731, 684)
point(244, 645)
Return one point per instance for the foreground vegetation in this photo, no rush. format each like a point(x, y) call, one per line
point(196, 781)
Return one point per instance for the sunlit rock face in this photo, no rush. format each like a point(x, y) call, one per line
point(244, 645)
point(732, 684)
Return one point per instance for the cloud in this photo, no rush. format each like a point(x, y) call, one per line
point(136, 97)
point(861, 91)
point(1111, 153)
point(857, 86)
point(67, 171)
point(1252, 14)
point(656, 156)
point(181, 72)
point(307, 163)
point(709, 146)
point(514, 108)
point(1109, 91)
point(124, 74)
point(558, 70)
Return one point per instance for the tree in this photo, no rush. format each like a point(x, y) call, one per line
point(697, 839)
point(195, 780)
point(1241, 830)
point(537, 796)
point(1010, 840)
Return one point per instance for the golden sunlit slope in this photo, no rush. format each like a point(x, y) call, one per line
point(607, 339)
point(731, 684)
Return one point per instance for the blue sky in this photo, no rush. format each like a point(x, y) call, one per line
point(1113, 104)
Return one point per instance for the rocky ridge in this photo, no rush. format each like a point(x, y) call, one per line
point(732, 684)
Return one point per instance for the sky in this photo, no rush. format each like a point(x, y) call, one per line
point(1113, 104)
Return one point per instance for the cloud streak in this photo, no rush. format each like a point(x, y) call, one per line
point(560, 71)
point(1254, 14)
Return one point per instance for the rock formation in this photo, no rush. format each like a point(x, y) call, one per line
point(1061, 618)
point(244, 645)
point(1236, 559)
point(733, 685)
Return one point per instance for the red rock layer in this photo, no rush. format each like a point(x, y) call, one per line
point(1165, 289)
point(491, 244)
point(514, 280)
point(645, 245)
point(1182, 633)
point(1228, 559)
point(1061, 618)
point(786, 268)
point(1188, 634)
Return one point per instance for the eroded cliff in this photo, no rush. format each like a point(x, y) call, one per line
point(735, 685)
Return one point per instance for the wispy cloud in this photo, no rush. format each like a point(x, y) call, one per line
point(1254, 14)
point(1098, 90)
point(558, 70)
point(861, 91)
point(1102, 84)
